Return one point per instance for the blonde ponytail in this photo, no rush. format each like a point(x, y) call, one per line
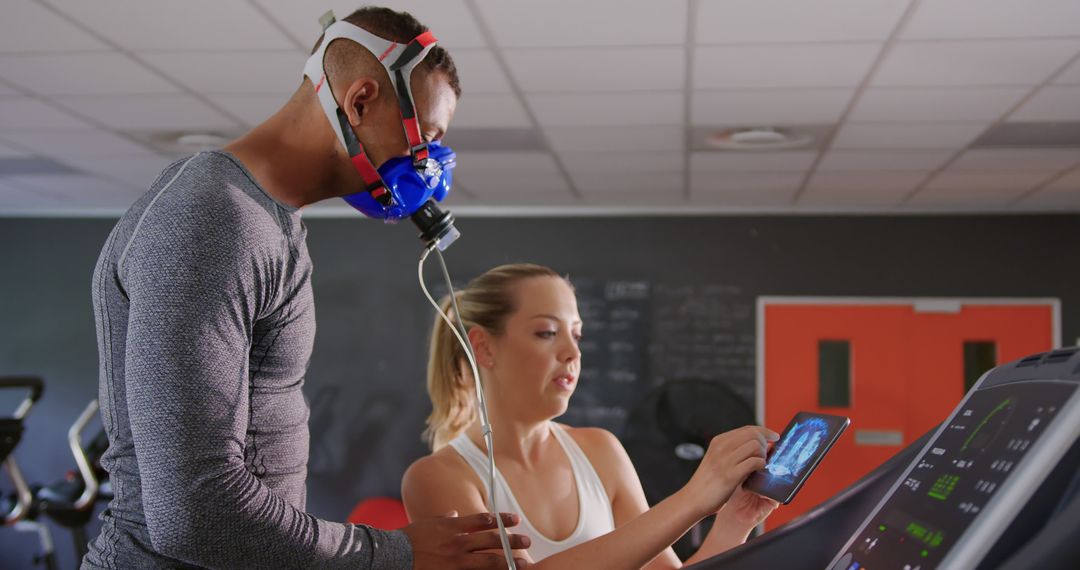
point(449, 383)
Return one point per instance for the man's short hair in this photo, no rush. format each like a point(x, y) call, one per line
point(398, 27)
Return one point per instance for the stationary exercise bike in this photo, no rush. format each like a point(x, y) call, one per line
point(17, 507)
point(68, 502)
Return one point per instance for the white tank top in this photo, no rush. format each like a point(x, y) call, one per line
point(594, 508)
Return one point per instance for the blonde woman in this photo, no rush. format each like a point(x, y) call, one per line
point(575, 489)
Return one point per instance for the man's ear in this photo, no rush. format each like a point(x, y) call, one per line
point(359, 95)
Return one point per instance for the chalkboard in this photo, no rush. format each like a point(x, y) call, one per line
point(638, 335)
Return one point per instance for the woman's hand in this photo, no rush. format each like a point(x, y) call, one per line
point(730, 459)
point(745, 509)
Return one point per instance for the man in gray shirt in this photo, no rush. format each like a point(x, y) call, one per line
point(205, 325)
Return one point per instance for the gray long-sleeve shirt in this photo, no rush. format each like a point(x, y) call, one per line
point(205, 324)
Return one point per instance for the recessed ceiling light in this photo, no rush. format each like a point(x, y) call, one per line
point(757, 139)
point(201, 141)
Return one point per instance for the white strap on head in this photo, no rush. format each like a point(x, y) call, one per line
point(388, 53)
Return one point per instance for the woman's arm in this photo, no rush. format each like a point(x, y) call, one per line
point(436, 485)
point(734, 521)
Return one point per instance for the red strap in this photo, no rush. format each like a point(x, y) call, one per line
point(412, 131)
point(425, 39)
point(365, 168)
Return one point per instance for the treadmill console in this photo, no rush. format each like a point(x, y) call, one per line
point(956, 497)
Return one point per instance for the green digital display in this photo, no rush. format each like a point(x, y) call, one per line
point(943, 487)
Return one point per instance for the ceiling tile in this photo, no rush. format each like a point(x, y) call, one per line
point(852, 199)
point(20, 199)
point(608, 109)
point(914, 136)
point(32, 113)
point(490, 111)
point(542, 197)
point(569, 139)
point(625, 162)
point(994, 19)
point(1055, 201)
point(82, 74)
point(528, 164)
point(260, 72)
point(450, 20)
point(82, 142)
point(188, 25)
point(627, 198)
point(563, 23)
point(769, 198)
point(8, 151)
point(1014, 62)
point(1063, 193)
point(877, 160)
point(140, 172)
point(776, 66)
point(956, 182)
point(1071, 75)
point(786, 161)
point(78, 190)
point(936, 104)
point(1067, 183)
point(470, 139)
point(251, 109)
point(1051, 103)
point(615, 184)
point(890, 183)
point(719, 182)
point(21, 30)
point(783, 21)
point(597, 69)
point(965, 200)
point(149, 112)
point(769, 107)
point(480, 72)
point(1005, 159)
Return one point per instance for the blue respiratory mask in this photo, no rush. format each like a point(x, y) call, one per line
point(403, 187)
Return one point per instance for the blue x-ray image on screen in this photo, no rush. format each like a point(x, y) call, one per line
point(795, 451)
point(805, 440)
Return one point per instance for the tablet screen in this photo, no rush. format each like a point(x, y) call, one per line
point(795, 455)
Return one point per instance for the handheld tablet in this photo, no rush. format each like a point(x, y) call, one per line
point(805, 440)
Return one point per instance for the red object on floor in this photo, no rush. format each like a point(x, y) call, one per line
point(385, 513)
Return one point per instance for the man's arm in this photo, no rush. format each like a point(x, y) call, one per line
point(194, 293)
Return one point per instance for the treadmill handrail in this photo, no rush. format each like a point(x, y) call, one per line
point(90, 482)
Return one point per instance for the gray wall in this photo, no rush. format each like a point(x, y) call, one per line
point(366, 377)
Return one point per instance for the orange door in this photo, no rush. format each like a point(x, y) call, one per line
point(901, 372)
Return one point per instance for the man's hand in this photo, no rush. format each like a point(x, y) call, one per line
point(457, 543)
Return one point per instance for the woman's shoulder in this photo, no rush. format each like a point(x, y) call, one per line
point(606, 454)
point(599, 445)
point(441, 482)
point(438, 464)
point(598, 439)
point(437, 472)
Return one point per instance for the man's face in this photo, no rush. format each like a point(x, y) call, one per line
point(383, 136)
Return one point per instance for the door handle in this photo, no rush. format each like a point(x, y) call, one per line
point(884, 437)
